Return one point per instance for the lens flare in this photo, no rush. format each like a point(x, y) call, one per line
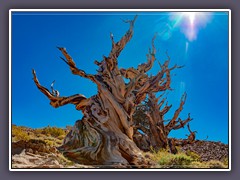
point(190, 22)
point(190, 16)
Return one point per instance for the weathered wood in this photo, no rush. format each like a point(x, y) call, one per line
point(155, 127)
point(104, 136)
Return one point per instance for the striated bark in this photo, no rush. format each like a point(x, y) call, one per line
point(154, 125)
point(104, 136)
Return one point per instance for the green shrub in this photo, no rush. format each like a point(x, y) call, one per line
point(181, 160)
point(189, 159)
point(168, 160)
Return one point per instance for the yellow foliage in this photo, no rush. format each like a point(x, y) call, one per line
point(193, 155)
point(53, 136)
point(53, 131)
point(50, 143)
point(216, 164)
point(168, 160)
point(19, 133)
point(183, 160)
point(61, 137)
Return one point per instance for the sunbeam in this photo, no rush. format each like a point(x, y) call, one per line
point(190, 22)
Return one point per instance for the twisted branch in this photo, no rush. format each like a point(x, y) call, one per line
point(77, 99)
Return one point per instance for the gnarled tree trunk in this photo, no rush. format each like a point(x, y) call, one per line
point(104, 136)
point(150, 120)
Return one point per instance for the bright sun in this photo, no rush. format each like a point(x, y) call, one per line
point(188, 22)
point(190, 15)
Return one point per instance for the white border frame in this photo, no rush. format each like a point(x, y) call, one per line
point(116, 10)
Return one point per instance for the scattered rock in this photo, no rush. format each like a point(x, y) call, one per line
point(30, 160)
point(32, 146)
point(208, 150)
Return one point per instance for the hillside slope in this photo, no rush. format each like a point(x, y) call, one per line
point(37, 148)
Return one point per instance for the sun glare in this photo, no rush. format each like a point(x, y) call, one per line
point(190, 15)
point(190, 22)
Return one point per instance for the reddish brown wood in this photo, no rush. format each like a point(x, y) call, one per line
point(104, 136)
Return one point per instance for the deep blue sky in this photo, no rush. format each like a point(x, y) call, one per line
point(203, 51)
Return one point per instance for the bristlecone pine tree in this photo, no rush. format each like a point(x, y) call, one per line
point(104, 136)
point(149, 118)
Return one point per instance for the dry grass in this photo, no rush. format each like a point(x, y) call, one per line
point(167, 160)
point(181, 160)
point(19, 133)
point(52, 136)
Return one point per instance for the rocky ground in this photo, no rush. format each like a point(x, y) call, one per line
point(37, 149)
point(37, 154)
point(208, 150)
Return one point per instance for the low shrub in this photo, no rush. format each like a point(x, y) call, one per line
point(168, 160)
point(193, 155)
point(53, 131)
point(190, 159)
point(50, 143)
point(19, 133)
